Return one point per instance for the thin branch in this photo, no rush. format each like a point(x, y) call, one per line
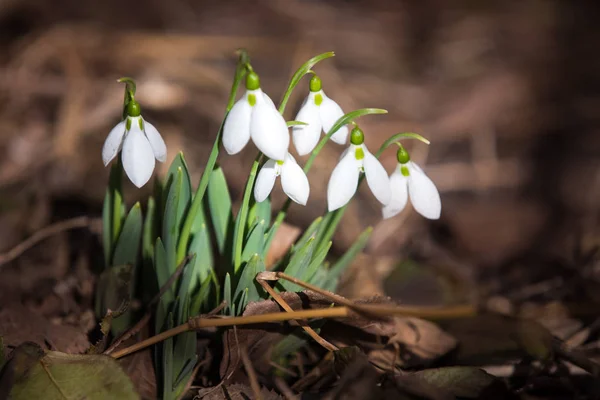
point(303, 323)
point(73, 223)
point(381, 310)
point(201, 323)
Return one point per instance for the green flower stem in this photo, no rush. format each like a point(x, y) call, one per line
point(299, 74)
point(394, 138)
point(344, 120)
point(240, 73)
point(238, 239)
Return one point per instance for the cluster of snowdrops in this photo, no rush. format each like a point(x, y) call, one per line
point(255, 117)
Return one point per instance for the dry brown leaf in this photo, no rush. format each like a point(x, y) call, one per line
point(285, 236)
point(19, 324)
point(235, 392)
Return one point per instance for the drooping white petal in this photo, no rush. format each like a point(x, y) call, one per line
point(236, 131)
point(306, 137)
point(265, 181)
point(156, 141)
point(269, 131)
point(294, 181)
point(399, 188)
point(377, 178)
point(343, 182)
point(113, 143)
point(268, 99)
point(138, 156)
point(423, 194)
point(330, 112)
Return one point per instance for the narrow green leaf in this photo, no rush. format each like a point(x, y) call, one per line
point(316, 263)
point(308, 233)
point(201, 298)
point(300, 72)
point(201, 246)
point(170, 224)
point(161, 267)
point(112, 211)
point(186, 372)
point(255, 241)
point(259, 212)
point(298, 264)
point(219, 205)
point(241, 303)
point(167, 363)
point(340, 266)
point(128, 245)
point(227, 295)
point(247, 280)
point(242, 216)
point(150, 230)
point(184, 294)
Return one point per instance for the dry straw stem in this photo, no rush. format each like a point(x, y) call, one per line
point(251, 373)
point(346, 310)
point(302, 323)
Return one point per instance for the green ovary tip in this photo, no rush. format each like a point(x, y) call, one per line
point(252, 81)
point(134, 109)
point(357, 137)
point(315, 84)
point(402, 155)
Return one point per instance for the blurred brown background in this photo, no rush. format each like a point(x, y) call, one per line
point(508, 93)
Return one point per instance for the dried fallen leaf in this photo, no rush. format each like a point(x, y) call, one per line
point(19, 324)
point(467, 382)
point(54, 375)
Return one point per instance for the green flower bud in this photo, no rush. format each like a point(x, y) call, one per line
point(133, 109)
point(252, 81)
point(357, 137)
point(402, 155)
point(315, 84)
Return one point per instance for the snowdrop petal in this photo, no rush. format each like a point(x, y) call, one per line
point(268, 100)
point(424, 196)
point(138, 156)
point(306, 137)
point(294, 181)
point(377, 178)
point(269, 131)
point(343, 182)
point(156, 141)
point(399, 188)
point(265, 181)
point(113, 143)
point(330, 112)
point(236, 131)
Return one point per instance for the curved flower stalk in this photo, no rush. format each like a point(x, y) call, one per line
point(255, 116)
point(293, 180)
point(320, 113)
point(344, 179)
point(139, 143)
point(409, 180)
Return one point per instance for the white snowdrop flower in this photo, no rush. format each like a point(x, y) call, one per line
point(293, 180)
point(139, 143)
point(408, 180)
point(320, 113)
point(255, 116)
point(344, 179)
